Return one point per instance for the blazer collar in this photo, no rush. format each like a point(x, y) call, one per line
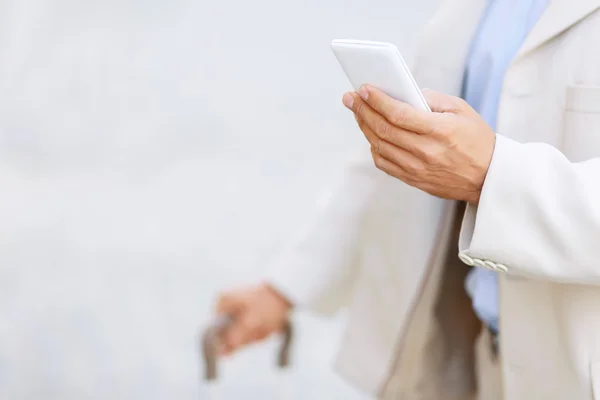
point(557, 18)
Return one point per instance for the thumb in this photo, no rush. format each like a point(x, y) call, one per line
point(244, 330)
point(229, 303)
point(443, 103)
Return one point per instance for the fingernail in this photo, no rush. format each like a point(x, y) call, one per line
point(364, 93)
point(348, 100)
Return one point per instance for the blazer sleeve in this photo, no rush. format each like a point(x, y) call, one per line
point(538, 216)
point(316, 269)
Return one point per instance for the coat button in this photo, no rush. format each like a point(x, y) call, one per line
point(490, 265)
point(501, 267)
point(466, 259)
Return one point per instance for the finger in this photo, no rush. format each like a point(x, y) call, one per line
point(396, 112)
point(405, 175)
point(228, 303)
point(257, 335)
point(385, 132)
point(443, 103)
point(224, 349)
point(366, 116)
point(348, 100)
point(233, 339)
point(405, 160)
point(371, 137)
point(242, 331)
point(389, 167)
point(260, 335)
point(226, 344)
point(376, 122)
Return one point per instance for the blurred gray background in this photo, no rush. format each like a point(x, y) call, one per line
point(151, 154)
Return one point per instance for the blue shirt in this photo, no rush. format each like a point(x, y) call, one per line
point(501, 32)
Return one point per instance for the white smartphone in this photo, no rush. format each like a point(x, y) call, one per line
point(381, 65)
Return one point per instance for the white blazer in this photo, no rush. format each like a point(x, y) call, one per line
point(382, 248)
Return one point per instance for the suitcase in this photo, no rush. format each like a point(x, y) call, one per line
point(209, 345)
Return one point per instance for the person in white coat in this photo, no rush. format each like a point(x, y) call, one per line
point(394, 248)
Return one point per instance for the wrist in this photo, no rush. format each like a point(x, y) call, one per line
point(482, 166)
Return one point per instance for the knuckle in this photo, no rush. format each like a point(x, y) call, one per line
point(223, 303)
point(441, 130)
point(255, 323)
point(251, 321)
point(459, 101)
point(385, 131)
point(379, 162)
point(455, 105)
point(234, 338)
point(461, 104)
point(411, 169)
point(432, 155)
point(238, 337)
point(361, 122)
point(398, 116)
point(414, 169)
point(376, 147)
point(262, 335)
point(358, 109)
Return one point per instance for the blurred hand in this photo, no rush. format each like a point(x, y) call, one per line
point(257, 311)
point(445, 153)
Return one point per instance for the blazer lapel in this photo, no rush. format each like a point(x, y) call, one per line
point(440, 62)
point(558, 17)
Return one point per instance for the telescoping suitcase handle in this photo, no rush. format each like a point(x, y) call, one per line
point(210, 343)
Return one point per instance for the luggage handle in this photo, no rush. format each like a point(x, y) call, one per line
point(210, 346)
